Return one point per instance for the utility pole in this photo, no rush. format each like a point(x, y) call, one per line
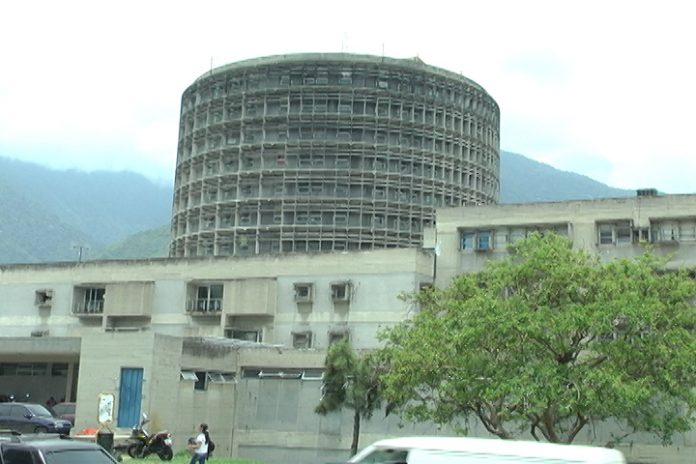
point(80, 250)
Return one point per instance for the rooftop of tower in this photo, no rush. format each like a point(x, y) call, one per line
point(410, 64)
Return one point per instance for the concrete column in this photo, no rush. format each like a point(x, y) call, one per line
point(70, 382)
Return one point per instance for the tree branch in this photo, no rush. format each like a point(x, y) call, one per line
point(549, 421)
point(579, 423)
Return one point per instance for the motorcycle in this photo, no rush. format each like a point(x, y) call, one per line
point(144, 444)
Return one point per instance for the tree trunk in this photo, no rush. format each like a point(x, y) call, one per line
point(356, 433)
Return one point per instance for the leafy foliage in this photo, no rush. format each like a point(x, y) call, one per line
point(549, 340)
point(351, 381)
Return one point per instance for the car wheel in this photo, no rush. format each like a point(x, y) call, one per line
point(40, 429)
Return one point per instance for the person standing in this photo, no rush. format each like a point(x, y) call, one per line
point(199, 445)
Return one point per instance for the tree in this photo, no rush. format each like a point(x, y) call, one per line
point(548, 340)
point(351, 381)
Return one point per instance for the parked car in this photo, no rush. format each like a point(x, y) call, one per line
point(31, 417)
point(50, 449)
point(65, 411)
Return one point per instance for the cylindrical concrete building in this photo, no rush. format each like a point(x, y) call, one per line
point(327, 152)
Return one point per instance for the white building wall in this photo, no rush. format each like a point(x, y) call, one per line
point(582, 218)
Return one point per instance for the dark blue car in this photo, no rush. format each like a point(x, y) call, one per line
point(31, 417)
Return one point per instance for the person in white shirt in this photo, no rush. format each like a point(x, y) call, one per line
point(199, 445)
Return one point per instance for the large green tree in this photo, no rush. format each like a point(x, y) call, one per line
point(351, 380)
point(548, 340)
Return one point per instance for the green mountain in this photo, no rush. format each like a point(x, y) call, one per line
point(523, 180)
point(153, 243)
point(48, 215)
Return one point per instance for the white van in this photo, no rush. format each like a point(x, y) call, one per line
point(462, 450)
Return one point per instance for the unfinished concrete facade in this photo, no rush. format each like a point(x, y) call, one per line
point(324, 152)
point(611, 228)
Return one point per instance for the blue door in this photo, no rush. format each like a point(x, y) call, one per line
point(130, 396)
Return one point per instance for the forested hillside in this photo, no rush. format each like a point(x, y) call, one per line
point(48, 215)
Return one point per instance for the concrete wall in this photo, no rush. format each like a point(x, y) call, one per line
point(171, 402)
point(101, 359)
point(268, 418)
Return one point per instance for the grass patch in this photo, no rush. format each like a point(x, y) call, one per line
point(183, 457)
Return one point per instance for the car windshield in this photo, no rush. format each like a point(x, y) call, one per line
point(84, 456)
point(38, 410)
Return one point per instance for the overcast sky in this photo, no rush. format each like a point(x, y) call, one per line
point(601, 88)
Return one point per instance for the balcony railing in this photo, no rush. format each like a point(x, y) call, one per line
point(205, 305)
point(89, 307)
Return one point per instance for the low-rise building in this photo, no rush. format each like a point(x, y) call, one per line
point(240, 342)
point(466, 238)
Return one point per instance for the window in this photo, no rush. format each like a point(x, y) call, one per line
point(623, 234)
point(346, 78)
point(189, 375)
point(8, 369)
point(208, 298)
point(59, 370)
point(302, 340)
point(250, 372)
point(674, 230)
point(340, 291)
point(337, 336)
point(281, 373)
point(468, 240)
point(43, 298)
point(303, 188)
point(606, 234)
point(21, 455)
point(32, 369)
point(222, 377)
point(201, 381)
point(245, 219)
point(303, 292)
point(483, 240)
point(246, 335)
point(665, 232)
point(94, 300)
point(314, 218)
point(687, 230)
point(477, 240)
point(615, 233)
